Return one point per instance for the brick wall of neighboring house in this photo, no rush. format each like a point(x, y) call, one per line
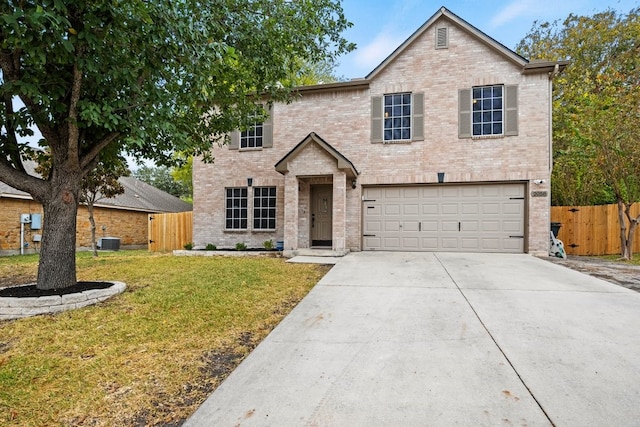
point(342, 119)
point(129, 226)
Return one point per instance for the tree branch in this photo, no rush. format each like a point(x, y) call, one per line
point(10, 66)
point(12, 149)
point(87, 159)
point(22, 181)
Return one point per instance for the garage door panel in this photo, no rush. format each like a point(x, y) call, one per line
point(411, 243)
point(392, 209)
point(391, 243)
point(372, 242)
point(429, 226)
point(372, 226)
point(449, 208)
point(512, 244)
point(476, 217)
point(490, 244)
point(490, 226)
point(450, 243)
point(470, 208)
point(512, 226)
point(491, 208)
point(470, 226)
point(430, 208)
point(391, 226)
point(470, 243)
point(410, 226)
point(512, 208)
point(429, 243)
point(411, 209)
point(449, 226)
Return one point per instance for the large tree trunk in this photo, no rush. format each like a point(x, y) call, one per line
point(633, 224)
point(624, 249)
point(57, 267)
point(626, 233)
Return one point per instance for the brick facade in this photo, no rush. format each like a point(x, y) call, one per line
point(340, 114)
point(129, 226)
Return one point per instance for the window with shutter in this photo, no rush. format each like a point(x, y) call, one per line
point(488, 111)
point(258, 135)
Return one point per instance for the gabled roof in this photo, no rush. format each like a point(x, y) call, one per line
point(552, 67)
point(446, 13)
point(344, 164)
point(137, 196)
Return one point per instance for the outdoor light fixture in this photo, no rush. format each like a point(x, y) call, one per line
point(353, 183)
point(249, 182)
point(440, 177)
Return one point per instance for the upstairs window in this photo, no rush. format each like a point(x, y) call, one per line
point(258, 135)
point(487, 110)
point(252, 137)
point(397, 117)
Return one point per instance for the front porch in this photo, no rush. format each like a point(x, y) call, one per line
point(317, 178)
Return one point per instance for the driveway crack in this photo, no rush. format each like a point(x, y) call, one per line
point(494, 341)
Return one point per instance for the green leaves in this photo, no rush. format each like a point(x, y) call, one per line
point(595, 104)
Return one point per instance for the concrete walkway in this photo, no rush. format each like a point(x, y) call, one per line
point(441, 339)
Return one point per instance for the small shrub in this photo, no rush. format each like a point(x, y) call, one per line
point(210, 247)
point(188, 246)
point(240, 246)
point(268, 244)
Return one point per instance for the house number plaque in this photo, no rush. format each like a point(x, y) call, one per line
point(539, 194)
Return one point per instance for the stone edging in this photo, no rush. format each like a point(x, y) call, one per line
point(15, 308)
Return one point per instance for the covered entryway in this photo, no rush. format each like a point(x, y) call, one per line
point(453, 218)
point(317, 178)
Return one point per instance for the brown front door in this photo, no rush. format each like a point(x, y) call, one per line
point(321, 215)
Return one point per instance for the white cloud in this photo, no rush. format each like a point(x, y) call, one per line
point(514, 10)
point(372, 54)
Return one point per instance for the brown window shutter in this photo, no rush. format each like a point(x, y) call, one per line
point(234, 140)
point(464, 113)
point(267, 130)
point(376, 119)
point(511, 110)
point(417, 110)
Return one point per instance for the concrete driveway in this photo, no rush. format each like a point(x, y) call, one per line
point(440, 339)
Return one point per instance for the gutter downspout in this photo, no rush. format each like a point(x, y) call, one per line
point(552, 75)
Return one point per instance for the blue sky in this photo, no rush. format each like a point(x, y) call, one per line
point(381, 26)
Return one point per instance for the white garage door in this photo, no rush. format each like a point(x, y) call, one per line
point(456, 218)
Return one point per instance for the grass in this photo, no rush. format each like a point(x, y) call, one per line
point(618, 259)
point(148, 356)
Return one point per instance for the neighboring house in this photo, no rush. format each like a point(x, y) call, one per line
point(124, 217)
point(445, 146)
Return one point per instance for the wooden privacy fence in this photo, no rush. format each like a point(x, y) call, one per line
point(170, 231)
point(591, 230)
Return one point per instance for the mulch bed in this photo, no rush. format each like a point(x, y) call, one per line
point(31, 291)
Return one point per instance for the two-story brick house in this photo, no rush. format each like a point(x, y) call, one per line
point(445, 146)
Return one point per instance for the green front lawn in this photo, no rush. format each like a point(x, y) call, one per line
point(150, 355)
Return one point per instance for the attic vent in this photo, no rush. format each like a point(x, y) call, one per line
point(442, 38)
